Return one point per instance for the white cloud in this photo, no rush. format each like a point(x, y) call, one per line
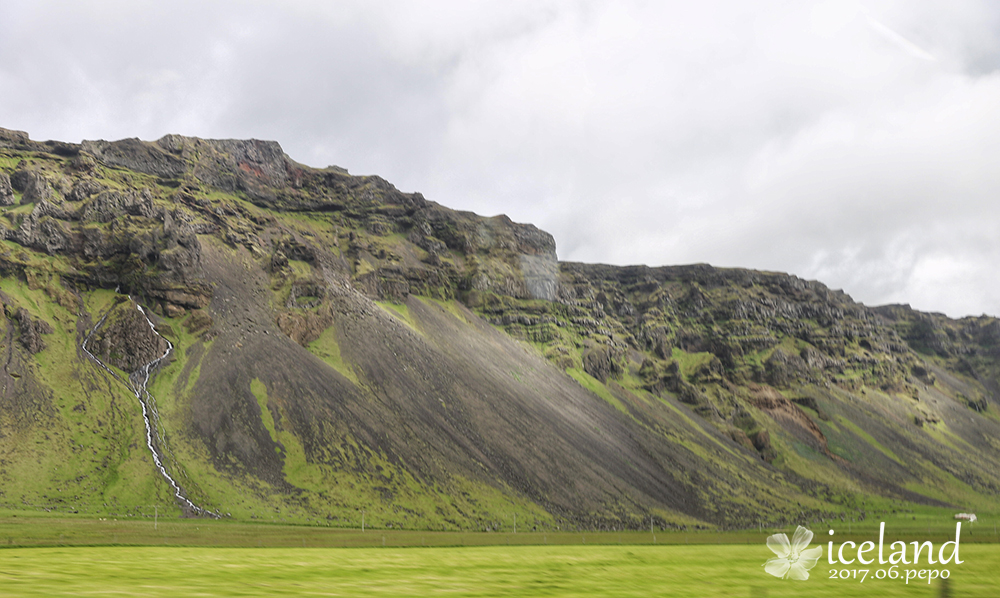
point(817, 137)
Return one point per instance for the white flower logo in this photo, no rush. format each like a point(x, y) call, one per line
point(793, 560)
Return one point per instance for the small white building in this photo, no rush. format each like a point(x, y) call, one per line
point(970, 517)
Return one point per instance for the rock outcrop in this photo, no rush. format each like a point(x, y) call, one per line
point(33, 185)
point(31, 330)
point(126, 341)
point(6, 190)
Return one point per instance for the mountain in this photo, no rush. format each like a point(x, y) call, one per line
point(209, 327)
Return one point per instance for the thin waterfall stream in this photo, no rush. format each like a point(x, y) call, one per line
point(136, 382)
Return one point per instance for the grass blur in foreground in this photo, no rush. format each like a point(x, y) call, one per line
point(675, 570)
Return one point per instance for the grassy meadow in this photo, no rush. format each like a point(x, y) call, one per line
point(42, 554)
point(594, 570)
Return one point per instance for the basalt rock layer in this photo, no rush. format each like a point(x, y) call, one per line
point(342, 347)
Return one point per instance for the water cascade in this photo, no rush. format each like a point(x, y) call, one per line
point(137, 382)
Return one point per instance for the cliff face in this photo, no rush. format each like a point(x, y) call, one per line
point(341, 346)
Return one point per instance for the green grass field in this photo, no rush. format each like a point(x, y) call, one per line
point(50, 528)
point(674, 570)
point(42, 554)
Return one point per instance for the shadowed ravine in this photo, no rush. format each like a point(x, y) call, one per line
point(137, 382)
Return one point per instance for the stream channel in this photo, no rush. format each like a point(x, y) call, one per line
point(136, 382)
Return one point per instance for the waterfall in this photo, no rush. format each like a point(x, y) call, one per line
point(136, 382)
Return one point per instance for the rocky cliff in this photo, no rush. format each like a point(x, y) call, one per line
point(341, 346)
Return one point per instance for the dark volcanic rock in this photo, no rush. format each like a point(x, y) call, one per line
point(111, 204)
point(126, 341)
point(15, 139)
point(230, 164)
point(84, 189)
point(37, 189)
point(137, 155)
point(602, 362)
point(33, 185)
point(783, 368)
point(6, 190)
point(40, 230)
point(234, 164)
point(31, 330)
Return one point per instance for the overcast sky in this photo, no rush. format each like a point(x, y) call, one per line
point(853, 143)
